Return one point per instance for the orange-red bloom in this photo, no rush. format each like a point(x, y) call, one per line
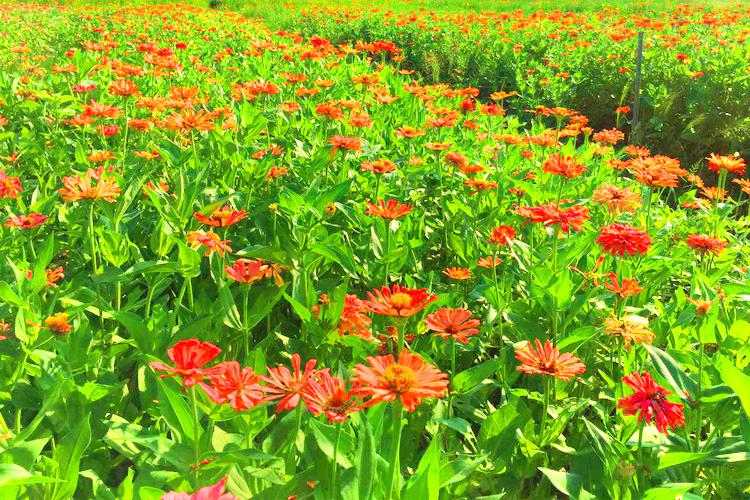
point(563, 165)
point(82, 187)
point(502, 235)
point(452, 323)
point(327, 394)
point(390, 209)
point(620, 239)
point(222, 217)
point(398, 301)
point(189, 357)
point(26, 221)
point(702, 243)
point(231, 383)
point(409, 380)
point(547, 360)
point(289, 386)
point(246, 271)
point(457, 273)
point(650, 403)
point(210, 240)
point(567, 218)
point(733, 164)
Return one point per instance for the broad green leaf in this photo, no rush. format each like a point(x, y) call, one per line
point(683, 385)
point(425, 483)
point(567, 483)
point(734, 378)
point(68, 456)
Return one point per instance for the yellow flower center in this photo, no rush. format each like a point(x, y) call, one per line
point(398, 378)
point(401, 300)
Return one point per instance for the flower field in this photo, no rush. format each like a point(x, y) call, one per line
point(245, 263)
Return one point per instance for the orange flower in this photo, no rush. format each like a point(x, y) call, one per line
point(563, 165)
point(702, 243)
point(612, 136)
point(502, 235)
point(210, 240)
point(379, 166)
point(26, 221)
point(547, 360)
point(390, 209)
point(246, 271)
point(452, 323)
point(701, 306)
point(9, 186)
point(733, 164)
point(289, 386)
point(398, 301)
point(489, 262)
point(345, 143)
point(631, 329)
point(657, 171)
point(409, 380)
point(617, 199)
point(58, 324)
point(187, 121)
point(82, 187)
point(222, 217)
point(328, 394)
point(628, 287)
point(353, 319)
point(457, 273)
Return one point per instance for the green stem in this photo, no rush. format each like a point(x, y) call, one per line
point(453, 376)
point(699, 420)
point(547, 391)
point(639, 470)
point(92, 240)
point(334, 469)
point(395, 468)
point(386, 251)
point(196, 439)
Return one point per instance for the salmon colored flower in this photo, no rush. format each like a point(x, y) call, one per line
point(452, 323)
point(703, 244)
point(379, 166)
point(631, 329)
point(502, 235)
point(210, 240)
point(409, 380)
point(657, 171)
point(186, 121)
point(289, 386)
point(353, 319)
point(82, 187)
point(390, 209)
point(701, 306)
point(457, 273)
point(650, 403)
point(489, 262)
point(246, 271)
point(398, 301)
point(189, 358)
point(328, 395)
point(222, 217)
point(732, 164)
point(344, 143)
point(26, 221)
point(617, 199)
point(238, 386)
point(620, 239)
point(52, 275)
point(213, 492)
point(628, 287)
point(547, 360)
point(564, 166)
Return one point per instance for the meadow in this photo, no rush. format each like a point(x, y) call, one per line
point(241, 261)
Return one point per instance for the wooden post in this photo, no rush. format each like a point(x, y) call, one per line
point(634, 128)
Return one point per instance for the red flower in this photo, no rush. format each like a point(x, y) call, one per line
point(563, 165)
point(390, 209)
point(452, 323)
point(239, 386)
point(28, 221)
point(398, 301)
point(702, 243)
point(547, 360)
point(566, 218)
point(619, 239)
point(246, 271)
point(733, 164)
point(629, 286)
point(502, 235)
point(410, 379)
point(288, 386)
point(327, 394)
point(9, 186)
point(222, 217)
point(650, 403)
point(213, 492)
point(189, 357)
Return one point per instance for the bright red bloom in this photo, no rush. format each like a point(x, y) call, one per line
point(452, 323)
point(286, 386)
point(9, 186)
point(222, 217)
point(628, 287)
point(502, 235)
point(398, 301)
point(210, 240)
point(189, 357)
point(238, 386)
point(620, 239)
point(353, 320)
point(213, 492)
point(328, 394)
point(733, 164)
point(390, 209)
point(702, 243)
point(650, 403)
point(410, 379)
point(566, 218)
point(27, 221)
point(547, 360)
point(246, 271)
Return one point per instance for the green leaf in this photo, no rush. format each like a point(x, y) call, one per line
point(325, 437)
point(15, 475)
point(468, 379)
point(425, 484)
point(671, 370)
point(8, 295)
point(734, 378)
point(365, 461)
point(175, 410)
point(681, 457)
point(68, 456)
point(304, 313)
point(567, 483)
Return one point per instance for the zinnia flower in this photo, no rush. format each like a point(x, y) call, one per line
point(628, 287)
point(457, 273)
point(631, 329)
point(9, 186)
point(650, 403)
point(287, 386)
point(328, 394)
point(27, 221)
point(390, 209)
point(620, 239)
point(238, 386)
point(58, 324)
point(489, 262)
point(246, 271)
point(702, 243)
point(733, 164)
point(398, 301)
point(502, 235)
point(222, 217)
point(189, 357)
point(547, 360)
point(213, 492)
point(617, 199)
point(210, 240)
point(566, 218)
point(563, 165)
point(82, 187)
point(409, 380)
point(452, 323)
